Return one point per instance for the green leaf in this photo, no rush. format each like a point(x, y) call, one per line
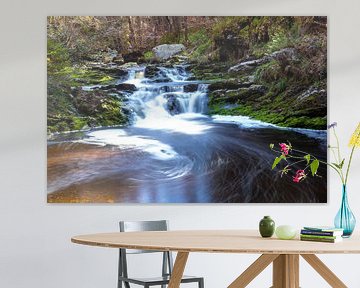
point(339, 166)
point(277, 161)
point(307, 157)
point(336, 165)
point(314, 167)
point(342, 163)
point(271, 146)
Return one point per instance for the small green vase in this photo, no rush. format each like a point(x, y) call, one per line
point(267, 227)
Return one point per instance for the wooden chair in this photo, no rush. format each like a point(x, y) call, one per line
point(167, 262)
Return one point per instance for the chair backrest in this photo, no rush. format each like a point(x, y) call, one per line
point(133, 226)
point(136, 226)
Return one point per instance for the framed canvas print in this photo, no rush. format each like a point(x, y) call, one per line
point(182, 109)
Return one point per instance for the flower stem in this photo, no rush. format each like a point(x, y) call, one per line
point(348, 166)
point(339, 155)
point(338, 145)
point(336, 169)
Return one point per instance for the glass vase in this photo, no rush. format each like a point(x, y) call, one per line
point(345, 219)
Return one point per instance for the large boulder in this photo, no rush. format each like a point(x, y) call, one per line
point(166, 51)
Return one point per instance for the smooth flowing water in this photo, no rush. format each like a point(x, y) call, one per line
point(174, 153)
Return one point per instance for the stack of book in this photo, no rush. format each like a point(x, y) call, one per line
point(321, 234)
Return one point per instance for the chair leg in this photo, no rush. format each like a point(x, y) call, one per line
point(201, 283)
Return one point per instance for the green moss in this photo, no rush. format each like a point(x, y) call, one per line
point(268, 72)
point(111, 113)
point(318, 123)
point(58, 57)
point(280, 86)
point(279, 40)
point(61, 123)
point(78, 123)
point(202, 51)
point(85, 76)
point(306, 122)
point(149, 55)
point(201, 45)
point(230, 23)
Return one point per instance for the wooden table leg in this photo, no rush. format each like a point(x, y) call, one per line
point(178, 270)
point(286, 271)
point(253, 270)
point(324, 271)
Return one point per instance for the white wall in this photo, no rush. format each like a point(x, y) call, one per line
point(35, 248)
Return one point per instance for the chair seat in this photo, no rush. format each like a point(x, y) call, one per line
point(158, 280)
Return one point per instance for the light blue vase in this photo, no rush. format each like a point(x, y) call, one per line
point(345, 219)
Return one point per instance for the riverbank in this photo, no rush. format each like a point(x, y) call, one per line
point(267, 89)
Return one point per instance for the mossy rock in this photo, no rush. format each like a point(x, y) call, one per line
point(241, 95)
point(151, 71)
point(126, 87)
point(191, 87)
point(62, 123)
point(209, 71)
point(86, 109)
point(228, 85)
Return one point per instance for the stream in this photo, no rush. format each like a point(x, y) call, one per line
point(173, 152)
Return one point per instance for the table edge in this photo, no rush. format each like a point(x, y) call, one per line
point(203, 250)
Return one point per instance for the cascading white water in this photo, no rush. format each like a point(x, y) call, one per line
point(165, 105)
point(152, 99)
point(198, 100)
point(175, 74)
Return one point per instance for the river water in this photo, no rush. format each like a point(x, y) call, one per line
point(174, 153)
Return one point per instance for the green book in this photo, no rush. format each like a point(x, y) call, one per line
point(325, 240)
point(319, 236)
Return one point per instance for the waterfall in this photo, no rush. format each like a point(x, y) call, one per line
point(156, 100)
point(198, 100)
point(175, 74)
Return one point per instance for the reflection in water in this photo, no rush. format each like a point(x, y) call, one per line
point(184, 158)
